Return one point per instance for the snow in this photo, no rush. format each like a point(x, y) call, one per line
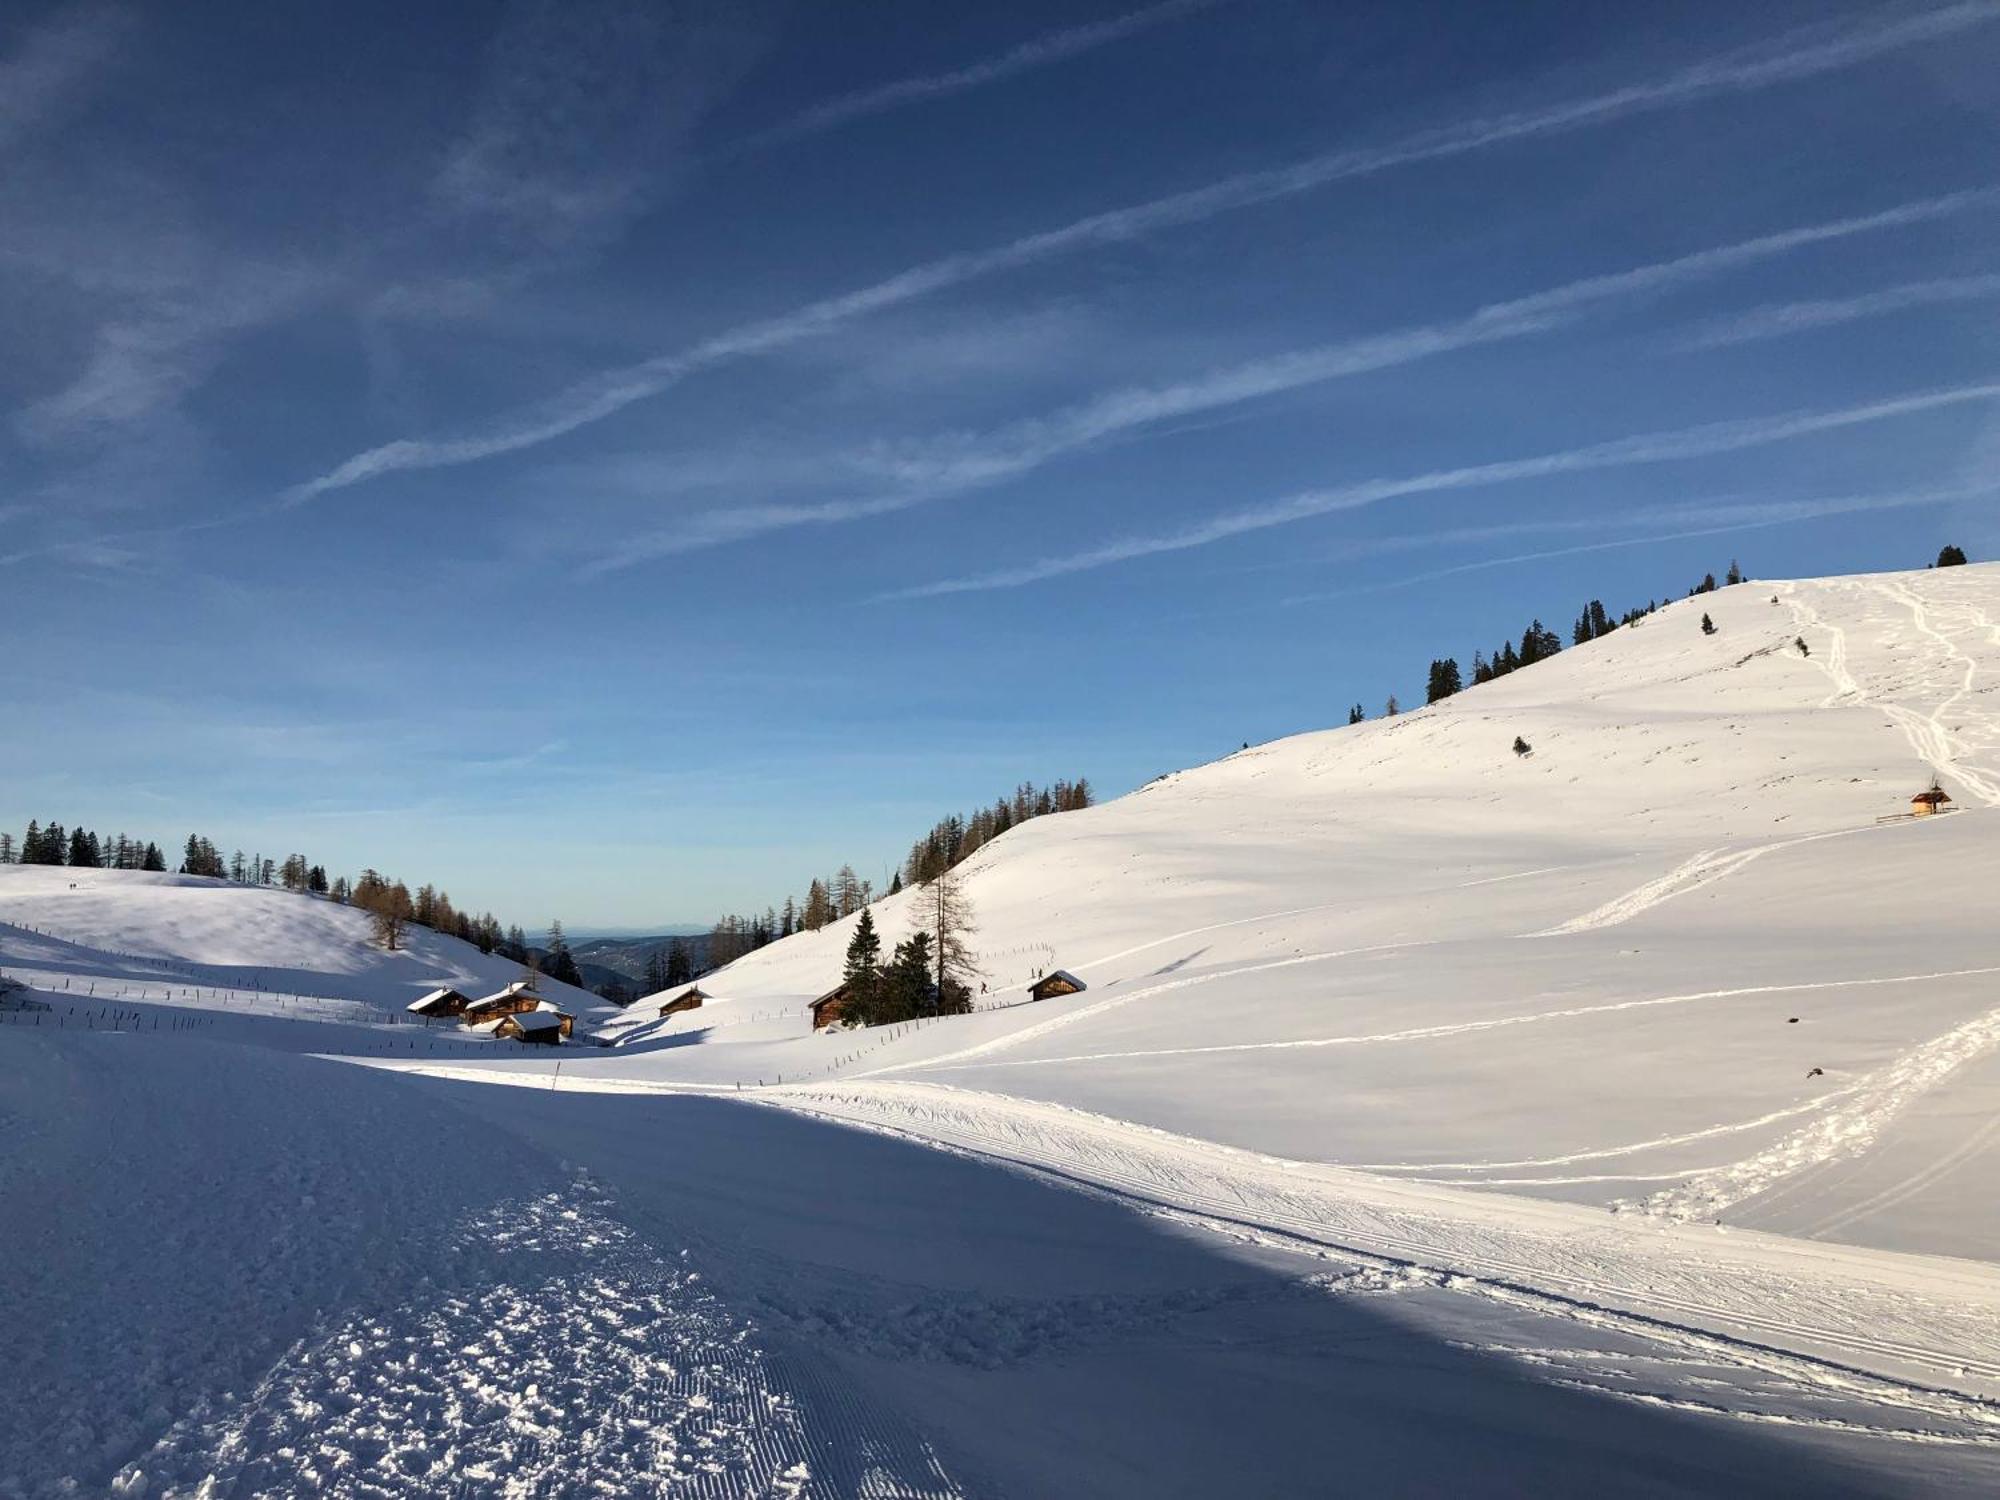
point(1620, 1117)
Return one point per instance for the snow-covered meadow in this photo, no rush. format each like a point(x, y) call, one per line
point(1623, 1115)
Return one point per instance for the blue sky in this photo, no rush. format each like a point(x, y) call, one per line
point(617, 460)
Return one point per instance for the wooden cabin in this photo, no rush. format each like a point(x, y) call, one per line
point(538, 1027)
point(1929, 802)
point(676, 1001)
point(439, 1003)
point(1057, 982)
point(831, 1008)
point(517, 997)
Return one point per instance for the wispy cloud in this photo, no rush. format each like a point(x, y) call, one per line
point(583, 115)
point(956, 464)
point(1039, 52)
point(1668, 524)
point(1791, 58)
point(1775, 320)
point(1649, 448)
point(55, 64)
point(146, 357)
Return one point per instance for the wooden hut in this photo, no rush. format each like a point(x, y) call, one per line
point(517, 997)
point(1057, 982)
point(1929, 802)
point(540, 1027)
point(672, 1002)
point(439, 1003)
point(831, 1008)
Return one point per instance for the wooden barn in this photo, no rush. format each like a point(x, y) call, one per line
point(831, 1008)
point(541, 1027)
point(439, 1003)
point(1929, 802)
point(517, 997)
point(1057, 982)
point(672, 1002)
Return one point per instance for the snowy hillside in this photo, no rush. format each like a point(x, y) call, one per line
point(186, 940)
point(1623, 1116)
point(1673, 958)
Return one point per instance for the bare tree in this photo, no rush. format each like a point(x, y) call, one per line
point(946, 910)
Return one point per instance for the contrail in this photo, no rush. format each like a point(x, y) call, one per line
point(1039, 52)
point(1024, 446)
point(1648, 448)
point(1782, 61)
point(1779, 319)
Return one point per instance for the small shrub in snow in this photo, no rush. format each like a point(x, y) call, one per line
point(1800, 642)
point(1707, 625)
point(1522, 747)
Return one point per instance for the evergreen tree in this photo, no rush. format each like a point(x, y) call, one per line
point(1522, 747)
point(1707, 625)
point(6, 848)
point(82, 852)
point(1355, 715)
point(1735, 572)
point(154, 860)
point(316, 880)
point(861, 972)
point(561, 964)
point(1444, 680)
point(1600, 623)
point(1951, 557)
point(656, 971)
point(1800, 642)
point(895, 882)
point(1391, 708)
point(905, 988)
point(680, 962)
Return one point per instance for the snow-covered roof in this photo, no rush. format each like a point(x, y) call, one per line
point(550, 1007)
point(1064, 975)
point(435, 997)
point(536, 1020)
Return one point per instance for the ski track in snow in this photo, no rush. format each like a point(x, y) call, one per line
point(1629, 1149)
point(1942, 748)
point(1845, 1131)
point(1842, 1313)
point(1455, 1028)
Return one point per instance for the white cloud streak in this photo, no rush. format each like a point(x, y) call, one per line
point(1649, 448)
point(45, 78)
point(1038, 52)
point(1777, 320)
point(1789, 59)
point(963, 463)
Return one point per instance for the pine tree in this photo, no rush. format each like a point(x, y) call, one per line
point(895, 882)
point(1444, 680)
point(680, 962)
point(1391, 708)
point(153, 860)
point(561, 964)
point(1522, 747)
point(1951, 557)
point(1355, 715)
point(861, 972)
point(6, 848)
point(1707, 625)
point(1800, 642)
point(906, 988)
point(1735, 572)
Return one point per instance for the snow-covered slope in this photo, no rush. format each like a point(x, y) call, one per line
point(1662, 1063)
point(1674, 958)
point(186, 940)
